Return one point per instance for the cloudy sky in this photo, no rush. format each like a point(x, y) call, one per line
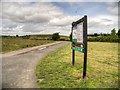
point(23, 18)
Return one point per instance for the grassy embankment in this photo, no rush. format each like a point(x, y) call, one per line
point(56, 71)
point(11, 44)
point(15, 44)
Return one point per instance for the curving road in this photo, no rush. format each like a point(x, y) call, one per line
point(18, 70)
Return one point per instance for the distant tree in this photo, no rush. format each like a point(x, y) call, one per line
point(55, 36)
point(17, 36)
point(101, 34)
point(105, 34)
point(118, 33)
point(95, 34)
point(113, 32)
point(70, 36)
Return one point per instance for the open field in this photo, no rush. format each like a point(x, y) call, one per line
point(11, 44)
point(56, 70)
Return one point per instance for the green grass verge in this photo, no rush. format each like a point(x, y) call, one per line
point(56, 70)
point(11, 44)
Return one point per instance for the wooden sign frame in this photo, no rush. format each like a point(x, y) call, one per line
point(77, 46)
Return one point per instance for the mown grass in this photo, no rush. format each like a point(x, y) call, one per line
point(11, 44)
point(56, 70)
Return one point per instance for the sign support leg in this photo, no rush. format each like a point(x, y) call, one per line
point(85, 64)
point(73, 57)
point(85, 47)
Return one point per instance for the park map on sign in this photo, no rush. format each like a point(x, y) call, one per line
point(78, 33)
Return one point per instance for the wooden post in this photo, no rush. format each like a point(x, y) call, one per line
point(73, 51)
point(85, 46)
point(73, 57)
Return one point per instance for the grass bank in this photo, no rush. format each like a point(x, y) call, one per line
point(11, 44)
point(56, 71)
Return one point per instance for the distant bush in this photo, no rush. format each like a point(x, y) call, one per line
point(62, 39)
point(17, 35)
point(55, 36)
point(25, 37)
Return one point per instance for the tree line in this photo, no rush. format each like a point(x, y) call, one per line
point(102, 37)
point(112, 37)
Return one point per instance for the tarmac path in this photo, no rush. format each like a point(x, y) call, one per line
point(18, 68)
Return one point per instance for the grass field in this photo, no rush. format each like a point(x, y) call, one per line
point(56, 70)
point(11, 44)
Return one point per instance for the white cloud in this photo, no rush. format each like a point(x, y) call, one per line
point(66, 20)
point(44, 18)
point(34, 13)
point(102, 23)
point(35, 17)
point(113, 10)
point(13, 31)
point(59, 0)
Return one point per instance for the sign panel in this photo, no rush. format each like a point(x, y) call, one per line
point(77, 37)
point(80, 33)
